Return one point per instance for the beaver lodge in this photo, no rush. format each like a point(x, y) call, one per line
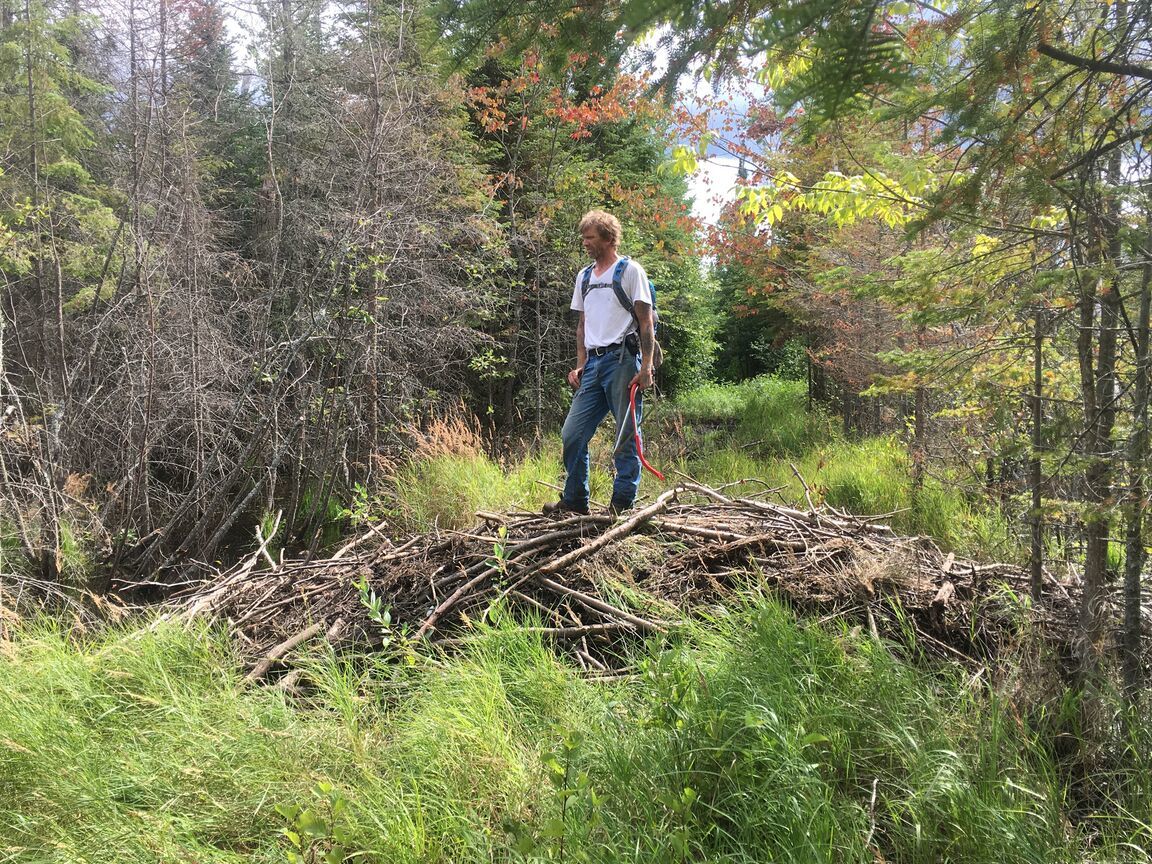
point(598, 586)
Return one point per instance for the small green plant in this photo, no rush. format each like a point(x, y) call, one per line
point(500, 551)
point(360, 507)
point(679, 806)
point(572, 790)
point(318, 834)
point(380, 614)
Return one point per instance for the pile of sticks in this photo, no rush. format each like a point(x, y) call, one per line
point(597, 585)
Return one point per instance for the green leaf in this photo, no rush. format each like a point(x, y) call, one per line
point(312, 824)
point(553, 828)
point(524, 843)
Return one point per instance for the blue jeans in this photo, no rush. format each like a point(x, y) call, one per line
point(603, 388)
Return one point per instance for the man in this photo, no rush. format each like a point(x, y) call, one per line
point(614, 349)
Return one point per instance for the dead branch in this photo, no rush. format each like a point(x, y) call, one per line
point(557, 576)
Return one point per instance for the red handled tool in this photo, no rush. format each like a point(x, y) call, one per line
point(636, 432)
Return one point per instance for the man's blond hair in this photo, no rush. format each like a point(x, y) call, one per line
point(606, 225)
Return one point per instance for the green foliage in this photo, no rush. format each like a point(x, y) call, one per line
point(140, 745)
point(688, 325)
point(755, 431)
point(764, 740)
point(842, 200)
point(788, 361)
point(373, 604)
point(72, 546)
point(13, 557)
point(768, 413)
point(746, 737)
point(324, 513)
point(573, 793)
point(317, 834)
point(827, 53)
point(74, 555)
point(34, 50)
point(755, 328)
point(772, 432)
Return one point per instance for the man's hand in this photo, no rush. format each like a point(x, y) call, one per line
point(574, 377)
point(643, 378)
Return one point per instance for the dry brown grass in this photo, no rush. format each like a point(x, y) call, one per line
point(454, 432)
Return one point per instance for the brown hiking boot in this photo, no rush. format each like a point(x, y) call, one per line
point(559, 508)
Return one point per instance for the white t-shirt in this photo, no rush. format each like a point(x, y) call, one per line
point(606, 321)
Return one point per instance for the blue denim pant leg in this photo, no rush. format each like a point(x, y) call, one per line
point(627, 482)
point(589, 406)
point(603, 390)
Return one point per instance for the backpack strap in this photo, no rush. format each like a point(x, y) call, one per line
point(585, 287)
point(617, 286)
point(621, 294)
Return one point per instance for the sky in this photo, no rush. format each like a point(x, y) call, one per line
point(712, 186)
point(714, 183)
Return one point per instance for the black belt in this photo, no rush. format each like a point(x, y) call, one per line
point(605, 349)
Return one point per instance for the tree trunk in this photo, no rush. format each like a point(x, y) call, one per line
point(1131, 668)
point(1036, 475)
point(1100, 415)
point(920, 427)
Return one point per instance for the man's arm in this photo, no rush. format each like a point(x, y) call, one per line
point(581, 355)
point(647, 344)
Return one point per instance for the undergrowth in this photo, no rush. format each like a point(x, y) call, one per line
point(770, 414)
point(763, 431)
point(746, 738)
point(760, 431)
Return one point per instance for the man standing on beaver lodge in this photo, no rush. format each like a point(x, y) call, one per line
point(615, 348)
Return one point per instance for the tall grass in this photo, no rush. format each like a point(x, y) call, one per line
point(448, 489)
point(74, 548)
point(450, 474)
point(746, 738)
point(771, 432)
point(141, 747)
point(770, 414)
point(801, 747)
point(756, 430)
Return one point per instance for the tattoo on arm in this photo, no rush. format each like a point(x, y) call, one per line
point(647, 343)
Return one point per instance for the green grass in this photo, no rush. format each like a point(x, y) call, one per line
point(140, 746)
point(770, 431)
point(769, 414)
point(746, 738)
point(756, 430)
point(75, 550)
point(447, 489)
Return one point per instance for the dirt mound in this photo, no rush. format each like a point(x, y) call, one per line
point(594, 584)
